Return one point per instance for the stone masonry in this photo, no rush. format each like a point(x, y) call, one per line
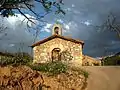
point(42, 52)
point(60, 48)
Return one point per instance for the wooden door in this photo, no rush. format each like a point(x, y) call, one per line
point(55, 54)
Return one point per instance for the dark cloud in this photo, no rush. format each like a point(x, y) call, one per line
point(79, 21)
point(82, 16)
point(16, 37)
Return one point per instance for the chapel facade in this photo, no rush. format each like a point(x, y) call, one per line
point(58, 48)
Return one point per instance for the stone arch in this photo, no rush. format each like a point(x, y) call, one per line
point(56, 54)
point(58, 31)
point(56, 46)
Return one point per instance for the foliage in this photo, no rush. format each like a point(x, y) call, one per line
point(22, 58)
point(114, 60)
point(85, 73)
point(50, 67)
point(24, 7)
point(4, 60)
point(7, 7)
point(111, 23)
point(16, 59)
point(66, 56)
point(81, 71)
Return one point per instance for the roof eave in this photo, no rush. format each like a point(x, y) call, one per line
point(57, 36)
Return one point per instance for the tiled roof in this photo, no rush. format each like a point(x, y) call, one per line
point(58, 36)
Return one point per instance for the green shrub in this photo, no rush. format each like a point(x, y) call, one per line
point(113, 60)
point(81, 71)
point(85, 73)
point(16, 59)
point(51, 67)
point(6, 60)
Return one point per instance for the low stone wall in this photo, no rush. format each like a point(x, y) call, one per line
point(89, 61)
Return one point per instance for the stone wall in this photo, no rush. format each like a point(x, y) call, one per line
point(89, 61)
point(43, 52)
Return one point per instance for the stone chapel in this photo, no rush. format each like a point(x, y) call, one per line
point(58, 48)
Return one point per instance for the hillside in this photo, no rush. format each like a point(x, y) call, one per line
point(99, 78)
point(111, 60)
point(24, 78)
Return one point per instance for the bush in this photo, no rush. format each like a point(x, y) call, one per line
point(114, 60)
point(81, 71)
point(21, 59)
point(16, 59)
point(6, 61)
point(85, 73)
point(51, 67)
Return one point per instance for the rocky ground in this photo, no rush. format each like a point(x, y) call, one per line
point(24, 78)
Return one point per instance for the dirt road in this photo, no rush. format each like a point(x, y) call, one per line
point(103, 78)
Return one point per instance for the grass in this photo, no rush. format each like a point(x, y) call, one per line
point(81, 71)
point(51, 67)
point(85, 73)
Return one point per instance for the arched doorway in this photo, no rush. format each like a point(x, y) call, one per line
point(56, 54)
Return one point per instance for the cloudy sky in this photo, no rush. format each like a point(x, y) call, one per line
point(79, 22)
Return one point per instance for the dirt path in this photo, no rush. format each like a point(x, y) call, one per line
point(103, 78)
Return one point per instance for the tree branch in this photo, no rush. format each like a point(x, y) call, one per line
point(30, 9)
point(25, 16)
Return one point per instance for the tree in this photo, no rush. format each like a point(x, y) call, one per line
point(10, 7)
point(111, 23)
point(112, 60)
point(7, 7)
point(2, 31)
